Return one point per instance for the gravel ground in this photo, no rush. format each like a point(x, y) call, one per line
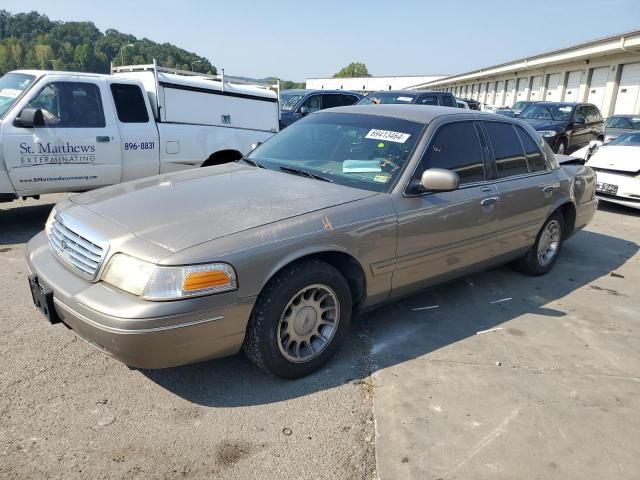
point(69, 411)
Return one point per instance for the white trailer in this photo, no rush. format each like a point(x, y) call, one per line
point(72, 132)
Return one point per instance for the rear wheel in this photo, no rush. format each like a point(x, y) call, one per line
point(299, 319)
point(544, 253)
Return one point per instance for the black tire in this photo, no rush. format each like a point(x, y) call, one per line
point(531, 263)
point(263, 343)
point(562, 147)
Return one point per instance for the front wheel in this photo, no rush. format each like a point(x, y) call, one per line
point(544, 253)
point(299, 319)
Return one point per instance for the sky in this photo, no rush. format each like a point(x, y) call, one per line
point(305, 39)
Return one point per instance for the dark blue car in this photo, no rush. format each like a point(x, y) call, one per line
point(295, 104)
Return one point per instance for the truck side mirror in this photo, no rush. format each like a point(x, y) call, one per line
point(304, 111)
point(30, 118)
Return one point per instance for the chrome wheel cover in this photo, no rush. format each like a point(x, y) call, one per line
point(308, 323)
point(549, 243)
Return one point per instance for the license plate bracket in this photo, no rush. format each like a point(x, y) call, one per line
point(43, 300)
point(606, 188)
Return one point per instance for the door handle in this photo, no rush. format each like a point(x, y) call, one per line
point(548, 189)
point(103, 139)
point(489, 201)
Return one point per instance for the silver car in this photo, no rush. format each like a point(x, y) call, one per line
point(345, 210)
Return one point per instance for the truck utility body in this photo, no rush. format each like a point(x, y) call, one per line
point(71, 132)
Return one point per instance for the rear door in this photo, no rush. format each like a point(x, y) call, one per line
point(525, 191)
point(443, 232)
point(138, 131)
point(78, 148)
point(582, 133)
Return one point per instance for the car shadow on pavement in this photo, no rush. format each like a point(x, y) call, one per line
point(18, 225)
point(412, 327)
point(616, 208)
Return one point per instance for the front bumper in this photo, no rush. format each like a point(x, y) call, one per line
point(628, 193)
point(137, 332)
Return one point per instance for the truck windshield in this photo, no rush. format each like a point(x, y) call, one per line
point(288, 101)
point(356, 150)
point(11, 86)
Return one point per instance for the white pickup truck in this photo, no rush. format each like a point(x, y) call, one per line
point(72, 132)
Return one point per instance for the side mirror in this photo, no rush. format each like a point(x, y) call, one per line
point(439, 180)
point(30, 118)
point(304, 111)
point(579, 121)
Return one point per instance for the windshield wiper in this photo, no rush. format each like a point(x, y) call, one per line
point(250, 162)
point(304, 173)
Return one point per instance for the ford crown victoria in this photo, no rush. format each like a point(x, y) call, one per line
point(343, 211)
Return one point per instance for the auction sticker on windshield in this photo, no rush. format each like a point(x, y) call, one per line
point(10, 92)
point(389, 135)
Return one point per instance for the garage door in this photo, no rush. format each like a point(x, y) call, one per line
point(596, 86)
point(483, 91)
point(628, 89)
point(573, 85)
point(553, 92)
point(522, 89)
point(508, 96)
point(499, 101)
point(491, 93)
point(536, 83)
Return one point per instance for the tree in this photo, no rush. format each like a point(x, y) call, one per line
point(354, 69)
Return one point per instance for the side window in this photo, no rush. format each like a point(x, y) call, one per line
point(349, 99)
point(535, 157)
point(510, 159)
point(593, 114)
point(428, 100)
point(456, 147)
point(312, 103)
point(70, 105)
point(447, 101)
point(331, 100)
point(581, 112)
point(129, 103)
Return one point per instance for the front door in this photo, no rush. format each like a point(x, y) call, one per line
point(440, 234)
point(77, 149)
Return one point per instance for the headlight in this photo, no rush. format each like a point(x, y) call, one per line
point(50, 220)
point(153, 282)
point(548, 133)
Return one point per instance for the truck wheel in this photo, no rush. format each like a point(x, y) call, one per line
point(299, 319)
point(543, 254)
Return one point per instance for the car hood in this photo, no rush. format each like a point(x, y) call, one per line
point(183, 209)
point(614, 157)
point(545, 124)
point(612, 133)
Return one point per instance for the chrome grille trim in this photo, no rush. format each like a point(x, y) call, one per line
point(77, 247)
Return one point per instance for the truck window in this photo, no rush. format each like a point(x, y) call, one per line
point(447, 101)
point(70, 105)
point(331, 100)
point(129, 103)
point(428, 100)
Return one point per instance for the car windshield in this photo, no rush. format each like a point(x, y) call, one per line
point(361, 151)
point(387, 98)
point(288, 101)
point(631, 139)
point(11, 86)
point(519, 105)
point(539, 111)
point(630, 123)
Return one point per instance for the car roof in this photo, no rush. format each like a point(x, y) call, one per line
point(410, 92)
point(413, 113)
point(306, 91)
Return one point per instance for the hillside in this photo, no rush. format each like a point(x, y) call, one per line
point(31, 40)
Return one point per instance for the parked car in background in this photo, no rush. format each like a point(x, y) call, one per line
point(507, 112)
point(617, 167)
point(473, 104)
point(616, 125)
point(297, 103)
point(343, 211)
point(462, 104)
point(520, 105)
point(565, 126)
point(417, 97)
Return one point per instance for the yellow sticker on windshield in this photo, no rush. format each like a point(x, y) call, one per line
point(381, 178)
point(381, 145)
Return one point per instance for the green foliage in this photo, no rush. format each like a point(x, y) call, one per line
point(354, 69)
point(31, 40)
point(288, 85)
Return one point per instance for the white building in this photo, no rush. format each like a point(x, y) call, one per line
point(605, 72)
point(369, 84)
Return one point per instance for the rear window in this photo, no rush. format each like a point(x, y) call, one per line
point(532, 151)
point(129, 102)
point(510, 159)
point(447, 101)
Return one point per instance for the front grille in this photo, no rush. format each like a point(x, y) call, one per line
point(75, 249)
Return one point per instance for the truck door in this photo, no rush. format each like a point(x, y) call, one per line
point(77, 149)
point(138, 131)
